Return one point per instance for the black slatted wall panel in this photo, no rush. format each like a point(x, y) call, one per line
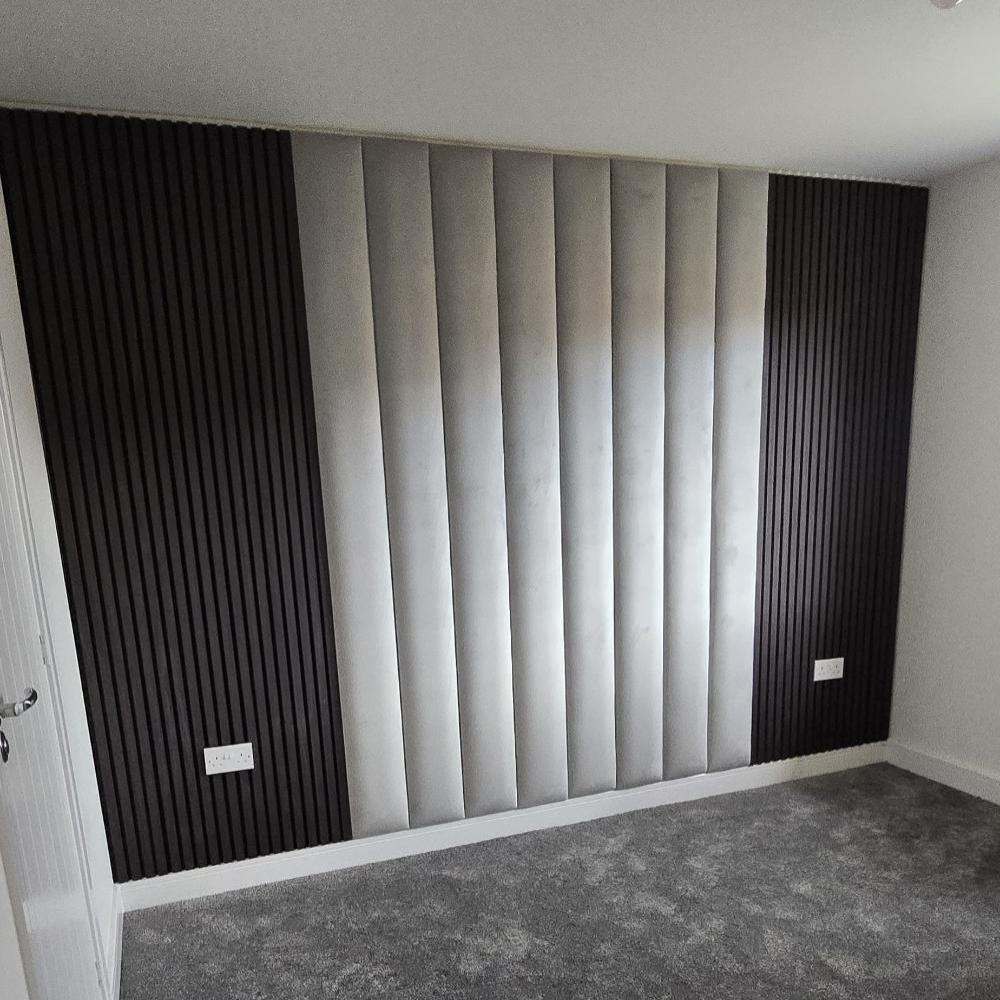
point(844, 266)
point(162, 295)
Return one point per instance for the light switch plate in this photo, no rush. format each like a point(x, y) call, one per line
point(829, 670)
point(236, 757)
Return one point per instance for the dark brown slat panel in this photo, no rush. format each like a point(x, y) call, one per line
point(844, 268)
point(160, 279)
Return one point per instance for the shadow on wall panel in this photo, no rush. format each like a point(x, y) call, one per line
point(405, 322)
point(329, 180)
point(159, 274)
point(844, 268)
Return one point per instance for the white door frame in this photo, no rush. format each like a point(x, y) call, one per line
point(11, 969)
point(54, 621)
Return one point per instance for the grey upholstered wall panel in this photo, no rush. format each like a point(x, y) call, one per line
point(523, 199)
point(583, 311)
point(638, 213)
point(568, 385)
point(469, 338)
point(692, 199)
point(739, 345)
point(330, 190)
point(401, 262)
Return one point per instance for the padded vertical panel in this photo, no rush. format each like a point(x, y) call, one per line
point(523, 201)
point(583, 312)
point(401, 248)
point(331, 200)
point(465, 263)
point(637, 296)
point(739, 352)
point(692, 197)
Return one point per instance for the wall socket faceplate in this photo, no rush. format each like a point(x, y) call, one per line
point(236, 757)
point(829, 670)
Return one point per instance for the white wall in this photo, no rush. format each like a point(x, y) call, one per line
point(947, 690)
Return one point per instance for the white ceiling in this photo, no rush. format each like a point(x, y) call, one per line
point(884, 88)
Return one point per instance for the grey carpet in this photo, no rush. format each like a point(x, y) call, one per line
point(871, 883)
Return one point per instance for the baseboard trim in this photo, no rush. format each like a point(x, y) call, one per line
point(144, 893)
point(946, 770)
point(113, 947)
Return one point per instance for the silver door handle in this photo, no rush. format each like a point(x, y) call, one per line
point(12, 709)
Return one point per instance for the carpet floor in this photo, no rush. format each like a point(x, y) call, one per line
point(870, 883)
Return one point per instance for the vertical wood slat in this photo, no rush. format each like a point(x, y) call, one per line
point(583, 312)
point(739, 333)
point(691, 230)
point(330, 187)
point(469, 339)
point(844, 264)
point(638, 247)
point(523, 198)
point(401, 261)
point(185, 485)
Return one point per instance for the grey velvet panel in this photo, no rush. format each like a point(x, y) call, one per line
point(567, 401)
point(330, 196)
point(692, 194)
point(523, 200)
point(583, 311)
point(401, 249)
point(469, 337)
point(739, 346)
point(637, 296)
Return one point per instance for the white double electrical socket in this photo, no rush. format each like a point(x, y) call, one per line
point(829, 670)
point(236, 757)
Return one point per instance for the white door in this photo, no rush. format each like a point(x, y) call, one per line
point(38, 835)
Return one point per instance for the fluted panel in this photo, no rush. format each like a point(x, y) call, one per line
point(161, 287)
point(638, 244)
point(583, 312)
point(741, 269)
point(330, 188)
point(469, 336)
point(692, 200)
point(523, 200)
point(401, 262)
point(844, 267)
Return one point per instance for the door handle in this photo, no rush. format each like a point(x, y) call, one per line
point(12, 709)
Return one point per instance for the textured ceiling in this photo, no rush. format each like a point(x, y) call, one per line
point(887, 88)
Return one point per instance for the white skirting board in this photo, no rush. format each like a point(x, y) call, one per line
point(162, 889)
point(982, 784)
point(113, 949)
